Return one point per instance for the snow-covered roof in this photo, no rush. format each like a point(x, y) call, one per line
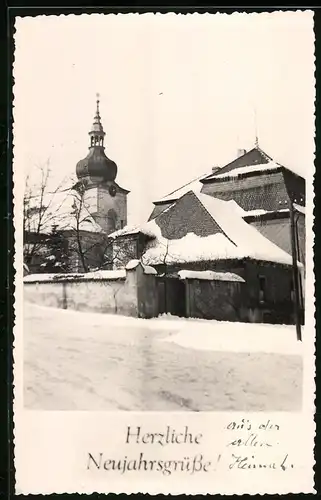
point(271, 165)
point(258, 212)
point(95, 275)
point(126, 230)
point(237, 240)
point(248, 239)
point(133, 229)
point(209, 276)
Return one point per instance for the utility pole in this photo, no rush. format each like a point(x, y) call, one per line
point(296, 283)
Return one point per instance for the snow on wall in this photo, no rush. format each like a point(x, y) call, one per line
point(134, 263)
point(131, 292)
point(95, 275)
point(100, 295)
point(210, 276)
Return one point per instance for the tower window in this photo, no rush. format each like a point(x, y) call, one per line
point(262, 289)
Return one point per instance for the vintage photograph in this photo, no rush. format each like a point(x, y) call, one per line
point(165, 165)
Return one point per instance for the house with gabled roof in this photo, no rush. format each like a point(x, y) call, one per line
point(234, 220)
point(264, 189)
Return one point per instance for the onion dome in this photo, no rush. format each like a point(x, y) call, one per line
point(97, 166)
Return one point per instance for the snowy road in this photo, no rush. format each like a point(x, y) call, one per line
point(87, 361)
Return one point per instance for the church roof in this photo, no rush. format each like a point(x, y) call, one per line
point(97, 166)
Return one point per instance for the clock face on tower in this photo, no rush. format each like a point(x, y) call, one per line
point(112, 190)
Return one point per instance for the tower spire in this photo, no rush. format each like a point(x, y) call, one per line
point(97, 132)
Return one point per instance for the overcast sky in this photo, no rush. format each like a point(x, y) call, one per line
point(178, 94)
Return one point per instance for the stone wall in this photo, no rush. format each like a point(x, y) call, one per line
point(132, 295)
point(46, 294)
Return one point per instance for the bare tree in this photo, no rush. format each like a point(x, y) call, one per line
point(91, 246)
point(63, 215)
point(87, 241)
point(39, 212)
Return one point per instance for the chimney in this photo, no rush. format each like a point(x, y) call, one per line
point(241, 152)
point(215, 169)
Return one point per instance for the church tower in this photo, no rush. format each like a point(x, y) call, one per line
point(105, 200)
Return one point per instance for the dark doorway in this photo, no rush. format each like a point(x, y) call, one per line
point(171, 296)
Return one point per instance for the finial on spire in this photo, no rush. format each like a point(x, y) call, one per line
point(97, 101)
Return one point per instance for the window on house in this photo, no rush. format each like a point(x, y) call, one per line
point(121, 224)
point(262, 288)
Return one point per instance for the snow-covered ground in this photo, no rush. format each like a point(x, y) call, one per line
point(90, 361)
